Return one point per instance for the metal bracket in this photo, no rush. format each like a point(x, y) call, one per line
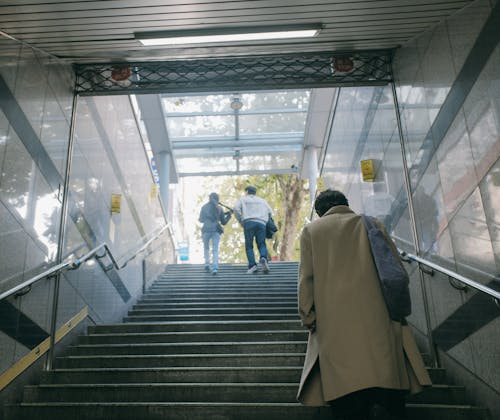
point(458, 285)
point(426, 270)
point(23, 292)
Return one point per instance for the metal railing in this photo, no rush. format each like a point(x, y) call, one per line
point(451, 274)
point(55, 271)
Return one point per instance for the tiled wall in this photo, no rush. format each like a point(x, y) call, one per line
point(448, 89)
point(36, 102)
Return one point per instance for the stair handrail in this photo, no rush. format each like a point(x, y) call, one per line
point(149, 242)
point(406, 256)
point(74, 265)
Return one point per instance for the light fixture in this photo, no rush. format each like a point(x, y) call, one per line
point(222, 35)
point(236, 104)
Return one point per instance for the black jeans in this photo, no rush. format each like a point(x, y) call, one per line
point(370, 403)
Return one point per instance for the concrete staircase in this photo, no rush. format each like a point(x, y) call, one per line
point(198, 346)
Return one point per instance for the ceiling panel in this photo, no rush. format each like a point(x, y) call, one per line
point(88, 31)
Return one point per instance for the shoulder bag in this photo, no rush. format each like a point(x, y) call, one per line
point(393, 277)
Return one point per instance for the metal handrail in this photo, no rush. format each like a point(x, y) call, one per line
point(154, 238)
point(73, 265)
point(472, 283)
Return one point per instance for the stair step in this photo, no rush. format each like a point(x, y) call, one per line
point(222, 411)
point(193, 392)
point(209, 304)
point(201, 336)
point(210, 299)
point(176, 392)
point(189, 348)
point(214, 311)
point(187, 374)
point(174, 375)
point(186, 360)
point(203, 317)
point(228, 325)
point(221, 294)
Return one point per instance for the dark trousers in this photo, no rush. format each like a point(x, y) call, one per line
point(255, 230)
point(370, 403)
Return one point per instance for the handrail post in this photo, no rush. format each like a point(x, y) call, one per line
point(411, 211)
point(49, 361)
point(144, 276)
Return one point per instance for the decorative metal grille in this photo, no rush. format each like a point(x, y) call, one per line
point(241, 73)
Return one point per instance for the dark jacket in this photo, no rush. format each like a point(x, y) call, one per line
point(212, 216)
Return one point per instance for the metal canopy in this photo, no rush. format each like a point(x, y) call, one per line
point(304, 70)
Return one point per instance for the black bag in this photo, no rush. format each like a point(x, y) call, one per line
point(219, 228)
point(271, 228)
point(393, 276)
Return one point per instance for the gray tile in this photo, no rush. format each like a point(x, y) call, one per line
point(471, 237)
point(485, 354)
point(490, 194)
point(12, 253)
point(17, 175)
point(463, 29)
point(54, 134)
point(456, 165)
point(7, 350)
point(443, 299)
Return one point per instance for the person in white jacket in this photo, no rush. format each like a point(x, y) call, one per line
point(253, 213)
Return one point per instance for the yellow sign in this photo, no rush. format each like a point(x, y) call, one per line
point(116, 203)
point(368, 170)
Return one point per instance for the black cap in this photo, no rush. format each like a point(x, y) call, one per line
point(251, 189)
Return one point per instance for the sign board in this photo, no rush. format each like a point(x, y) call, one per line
point(116, 203)
point(368, 170)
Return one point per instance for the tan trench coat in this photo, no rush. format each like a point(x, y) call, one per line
point(356, 345)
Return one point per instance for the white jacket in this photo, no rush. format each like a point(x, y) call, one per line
point(251, 207)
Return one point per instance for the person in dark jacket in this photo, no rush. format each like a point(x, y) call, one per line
point(213, 217)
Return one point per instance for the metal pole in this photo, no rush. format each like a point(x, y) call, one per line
point(49, 362)
point(411, 211)
point(143, 276)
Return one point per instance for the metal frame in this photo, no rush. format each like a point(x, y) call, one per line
point(306, 70)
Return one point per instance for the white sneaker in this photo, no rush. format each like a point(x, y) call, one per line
point(265, 265)
point(252, 269)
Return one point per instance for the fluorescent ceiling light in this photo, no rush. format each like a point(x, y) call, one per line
point(226, 35)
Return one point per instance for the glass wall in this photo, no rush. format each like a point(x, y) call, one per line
point(36, 108)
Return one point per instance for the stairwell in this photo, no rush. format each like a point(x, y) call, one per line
point(198, 346)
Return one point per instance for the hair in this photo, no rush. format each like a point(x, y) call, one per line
point(328, 199)
point(251, 190)
point(214, 196)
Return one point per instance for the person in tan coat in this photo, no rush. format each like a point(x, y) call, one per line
point(358, 360)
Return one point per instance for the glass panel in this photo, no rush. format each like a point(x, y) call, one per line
point(203, 125)
point(271, 101)
point(193, 165)
point(272, 123)
point(201, 104)
point(274, 120)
